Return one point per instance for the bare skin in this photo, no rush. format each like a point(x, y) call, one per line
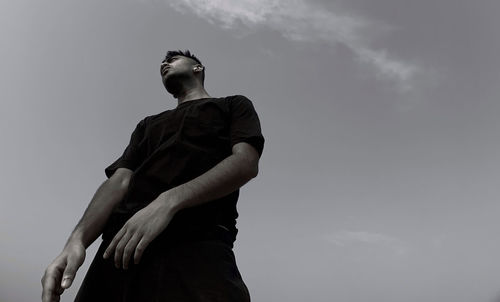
point(60, 274)
point(182, 77)
point(183, 80)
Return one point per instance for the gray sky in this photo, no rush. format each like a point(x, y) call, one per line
point(379, 177)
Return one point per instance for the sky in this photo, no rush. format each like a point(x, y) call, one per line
point(379, 176)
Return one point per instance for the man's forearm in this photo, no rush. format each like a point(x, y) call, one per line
point(223, 179)
point(97, 213)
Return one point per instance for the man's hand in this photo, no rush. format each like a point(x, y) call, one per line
point(61, 272)
point(139, 231)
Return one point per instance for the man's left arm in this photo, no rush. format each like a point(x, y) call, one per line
point(224, 178)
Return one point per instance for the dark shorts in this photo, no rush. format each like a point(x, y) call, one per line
point(200, 270)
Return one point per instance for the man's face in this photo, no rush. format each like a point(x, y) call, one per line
point(175, 67)
point(174, 72)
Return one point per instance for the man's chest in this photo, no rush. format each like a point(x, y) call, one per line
point(200, 124)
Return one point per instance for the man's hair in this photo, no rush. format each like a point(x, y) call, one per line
point(187, 54)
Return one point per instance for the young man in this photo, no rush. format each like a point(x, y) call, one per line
point(167, 212)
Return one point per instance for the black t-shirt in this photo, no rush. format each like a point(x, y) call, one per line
point(177, 145)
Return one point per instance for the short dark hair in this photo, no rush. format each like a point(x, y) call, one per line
point(187, 54)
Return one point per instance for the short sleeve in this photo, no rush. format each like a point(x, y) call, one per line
point(245, 123)
point(133, 155)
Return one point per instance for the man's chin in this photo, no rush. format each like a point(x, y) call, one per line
point(172, 88)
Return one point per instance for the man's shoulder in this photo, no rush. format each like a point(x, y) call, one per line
point(236, 97)
point(229, 101)
point(237, 100)
point(158, 115)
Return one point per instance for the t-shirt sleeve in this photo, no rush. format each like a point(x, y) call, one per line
point(245, 123)
point(133, 155)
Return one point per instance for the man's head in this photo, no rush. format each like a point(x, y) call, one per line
point(181, 66)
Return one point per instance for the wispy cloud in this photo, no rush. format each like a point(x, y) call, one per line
point(361, 240)
point(303, 21)
point(344, 238)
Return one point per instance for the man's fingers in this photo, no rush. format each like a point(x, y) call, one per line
point(119, 249)
point(49, 284)
point(52, 290)
point(48, 289)
point(114, 242)
point(139, 250)
point(129, 249)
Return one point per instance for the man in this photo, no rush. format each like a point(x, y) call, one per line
point(167, 212)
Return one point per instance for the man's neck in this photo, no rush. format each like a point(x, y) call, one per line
point(192, 94)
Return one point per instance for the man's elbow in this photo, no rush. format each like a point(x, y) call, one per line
point(251, 165)
point(247, 168)
point(252, 170)
point(121, 178)
point(248, 158)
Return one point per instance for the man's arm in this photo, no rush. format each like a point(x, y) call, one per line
point(110, 193)
point(223, 179)
point(60, 273)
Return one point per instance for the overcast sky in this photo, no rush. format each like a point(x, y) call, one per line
point(379, 179)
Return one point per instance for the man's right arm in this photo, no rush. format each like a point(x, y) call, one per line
point(61, 272)
point(107, 196)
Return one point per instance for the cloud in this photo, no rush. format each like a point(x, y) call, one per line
point(302, 21)
point(344, 238)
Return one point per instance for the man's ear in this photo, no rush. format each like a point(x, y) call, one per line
point(198, 67)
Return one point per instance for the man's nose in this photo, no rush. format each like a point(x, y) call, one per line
point(164, 64)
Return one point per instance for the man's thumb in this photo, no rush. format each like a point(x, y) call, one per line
point(69, 273)
point(66, 281)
